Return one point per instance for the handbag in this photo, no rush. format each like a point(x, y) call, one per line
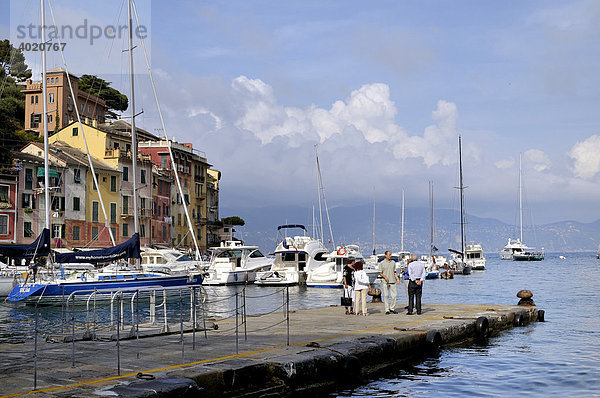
point(346, 301)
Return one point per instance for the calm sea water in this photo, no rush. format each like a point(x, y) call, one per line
point(560, 357)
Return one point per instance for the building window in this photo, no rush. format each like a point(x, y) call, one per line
point(164, 231)
point(27, 231)
point(113, 183)
point(49, 118)
point(152, 232)
point(75, 131)
point(28, 178)
point(125, 204)
point(125, 229)
point(143, 176)
point(75, 232)
point(125, 173)
point(114, 231)
point(77, 176)
point(36, 99)
point(28, 201)
point(179, 219)
point(163, 161)
point(95, 211)
point(94, 233)
point(4, 197)
point(51, 98)
point(164, 210)
point(142, 204)
point(142, 231)
point(76, 204)
point(113, 212)
point(32, 99)
point(3, 224)
point(187, 198)
point(56, 230)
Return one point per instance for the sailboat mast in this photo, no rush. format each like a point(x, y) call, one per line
point(319, 193)
point(134, 149)
point(373, 220)
point(520, 198)
point(431, 226)
point(402, 227)
point(45, 118)
point(462, 200)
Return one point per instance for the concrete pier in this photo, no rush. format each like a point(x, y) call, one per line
point(324, 346)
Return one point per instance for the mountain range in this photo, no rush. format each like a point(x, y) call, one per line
point(354, 224)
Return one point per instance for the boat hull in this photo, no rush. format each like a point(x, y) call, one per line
point(58, 290)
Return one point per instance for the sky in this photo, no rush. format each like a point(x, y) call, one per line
point(383, 89)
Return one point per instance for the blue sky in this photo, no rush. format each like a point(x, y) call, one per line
point(384, 88)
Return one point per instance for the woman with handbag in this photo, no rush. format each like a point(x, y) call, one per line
point(348, 280)
point(361, 286)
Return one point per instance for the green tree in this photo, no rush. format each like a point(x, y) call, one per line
point(233, 220)
point(114, 99)
point(13, 69)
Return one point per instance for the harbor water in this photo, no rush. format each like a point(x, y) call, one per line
point(559, 357)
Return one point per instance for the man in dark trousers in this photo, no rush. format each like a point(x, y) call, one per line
point(416, 276)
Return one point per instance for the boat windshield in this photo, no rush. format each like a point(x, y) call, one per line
point(184, 258)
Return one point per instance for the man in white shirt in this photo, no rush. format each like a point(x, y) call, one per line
point(416, 276)
point(387, 271)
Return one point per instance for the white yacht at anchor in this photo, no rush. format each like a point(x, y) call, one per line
point(294, 257)
point(170, 261)
point(331, 273)
point(235, 263)
point(474, 257)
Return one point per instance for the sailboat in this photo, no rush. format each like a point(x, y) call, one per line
point(433, 261)
point(515, 249)
point(469, 256)
point(402, 255)
point(116, 275)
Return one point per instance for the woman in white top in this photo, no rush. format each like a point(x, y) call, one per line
point(361, 287)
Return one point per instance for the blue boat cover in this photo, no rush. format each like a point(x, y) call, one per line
point(39, 248)
point(128, 249)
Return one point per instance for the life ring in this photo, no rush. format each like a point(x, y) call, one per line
point(341, 251)
point(83, 277)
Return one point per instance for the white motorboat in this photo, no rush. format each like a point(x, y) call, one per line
point(294, 257)
point(331, 273)
point(474, 257)
point(234, 263)
point(513, 247)
point(170, 262)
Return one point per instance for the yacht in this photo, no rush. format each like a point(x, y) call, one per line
point(234, 263)
point(294, 257)
point(331, 273)
point(514, 248)
point(474, 257)
point(170, 261)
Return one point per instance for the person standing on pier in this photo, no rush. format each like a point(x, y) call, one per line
point(349, 283)
point(387, 271)
point(361, 286)
point(416, 276)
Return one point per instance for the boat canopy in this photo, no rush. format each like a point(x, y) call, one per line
point(51, 173)
point(38, 248)
point(128, 249)
point(291, 226)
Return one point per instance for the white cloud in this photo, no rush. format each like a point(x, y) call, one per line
point(505, 163)
point(538, 159)
point(586, 157)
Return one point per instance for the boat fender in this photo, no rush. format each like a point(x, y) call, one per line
point(434, 339)
point(541, 314)
point(519, 320)
point(145, 376)
point(482, 327)
point(351, 365)
point(83, 276)
point(341, 251)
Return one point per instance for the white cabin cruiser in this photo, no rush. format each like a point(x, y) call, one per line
point(331, 273)
point(234, 263)
point(514, 246)
point(170, 262)
point(293, 258)
point(474, 257)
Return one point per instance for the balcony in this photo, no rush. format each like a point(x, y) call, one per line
point(126, 213)
point(201, 221)
point(145, 213)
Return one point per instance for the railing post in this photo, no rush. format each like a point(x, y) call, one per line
point(287, 310)
point(137, 322)
point(153, 307)
point(165, 310)
point(94, 314)
point(194, 318)
point(181, 323)
point(237, 350)
point(35, 349)
point(204, 314)
point(118, 335)
point(73, 333)
point(244, 317)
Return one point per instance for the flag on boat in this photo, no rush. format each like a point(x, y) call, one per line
point(128, 249)
point(38, 248)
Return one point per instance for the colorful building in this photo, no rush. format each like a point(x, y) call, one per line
point(8, 204)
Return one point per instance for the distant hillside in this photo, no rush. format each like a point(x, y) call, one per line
point(355, 225)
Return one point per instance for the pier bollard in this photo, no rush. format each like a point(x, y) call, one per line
point(375, 295)
point(526, 298)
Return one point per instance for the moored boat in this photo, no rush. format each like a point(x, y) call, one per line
point(235, 263)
